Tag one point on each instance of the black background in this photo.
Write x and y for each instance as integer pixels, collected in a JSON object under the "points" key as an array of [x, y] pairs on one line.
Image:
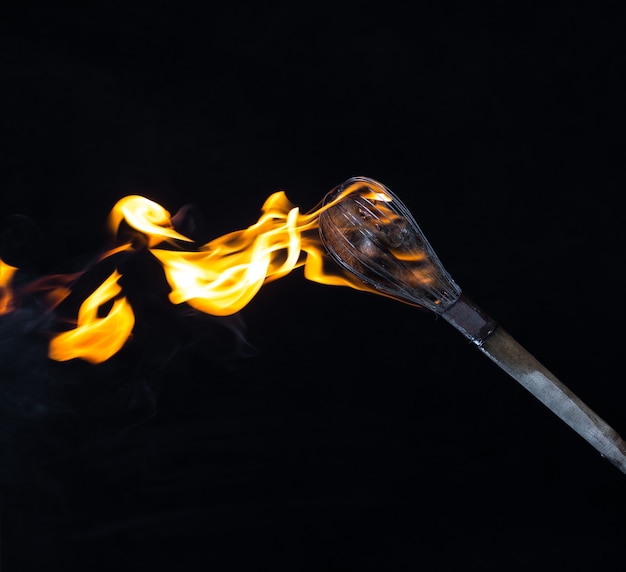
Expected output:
{"points": [[345, 431]]}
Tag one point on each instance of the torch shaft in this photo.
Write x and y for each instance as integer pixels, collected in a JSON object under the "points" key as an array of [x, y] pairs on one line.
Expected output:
{"points": [[499, 346], [507, 353], [370, 233]]}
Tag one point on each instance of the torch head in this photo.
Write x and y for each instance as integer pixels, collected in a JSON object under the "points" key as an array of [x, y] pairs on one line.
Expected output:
{"points": [[371, 234]]}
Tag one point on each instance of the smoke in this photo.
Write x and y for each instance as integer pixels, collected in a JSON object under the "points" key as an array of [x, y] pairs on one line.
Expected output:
{"points": [[65, 424], [60, 424], [52, 413], [43, 401]]}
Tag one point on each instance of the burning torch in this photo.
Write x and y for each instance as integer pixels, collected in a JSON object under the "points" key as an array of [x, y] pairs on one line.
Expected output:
{"points": [[371, 234], [363, 227]]}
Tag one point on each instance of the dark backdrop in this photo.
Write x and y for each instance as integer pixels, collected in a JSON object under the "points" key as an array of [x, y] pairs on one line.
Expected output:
{"points": [[321, 428]]}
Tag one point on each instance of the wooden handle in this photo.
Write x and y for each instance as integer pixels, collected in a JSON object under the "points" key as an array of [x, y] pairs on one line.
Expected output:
{"points": [[507, 353]]}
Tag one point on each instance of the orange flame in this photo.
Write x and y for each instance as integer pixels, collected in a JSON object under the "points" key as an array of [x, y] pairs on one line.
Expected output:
{"points": [[218, 278], [223, 275], [6, 296], [145, 216], [96, 339]]}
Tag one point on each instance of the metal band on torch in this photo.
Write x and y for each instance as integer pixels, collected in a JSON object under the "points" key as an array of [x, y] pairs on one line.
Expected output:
{"points": [[470, 320]]}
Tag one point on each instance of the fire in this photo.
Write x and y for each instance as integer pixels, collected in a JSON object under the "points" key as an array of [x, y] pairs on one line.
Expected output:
{"points": [[146, 216], [223, 275], [6, 276], [218, 278], [96, 339]]}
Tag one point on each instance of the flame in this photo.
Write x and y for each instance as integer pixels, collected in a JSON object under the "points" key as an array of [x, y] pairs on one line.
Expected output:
{"points": [[146, 216], [219, 277], [6, 296], [96, 339], [223, 275]]}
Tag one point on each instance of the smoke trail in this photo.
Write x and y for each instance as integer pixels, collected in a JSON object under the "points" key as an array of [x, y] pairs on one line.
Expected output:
{"points": [[42, 400], [65, 424]]}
